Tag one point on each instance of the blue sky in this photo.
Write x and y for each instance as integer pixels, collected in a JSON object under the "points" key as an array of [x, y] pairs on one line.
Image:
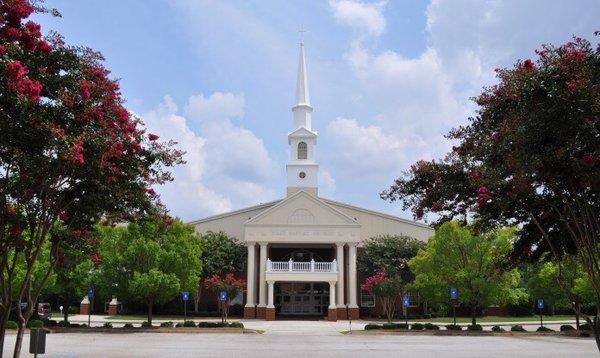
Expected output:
{"points": [[387, 81]]}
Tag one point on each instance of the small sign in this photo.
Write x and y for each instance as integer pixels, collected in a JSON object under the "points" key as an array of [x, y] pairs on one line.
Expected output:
{"points": [[223, 296], [90, 292], [453, 293], [185, 295], [540, 303], [405, 300]]}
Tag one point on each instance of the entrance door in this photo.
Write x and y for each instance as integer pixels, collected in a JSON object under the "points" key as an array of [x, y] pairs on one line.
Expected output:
{"points": [[301, 298]]}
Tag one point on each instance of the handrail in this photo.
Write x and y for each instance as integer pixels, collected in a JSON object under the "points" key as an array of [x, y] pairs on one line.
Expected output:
{"points": [[301, 266]]}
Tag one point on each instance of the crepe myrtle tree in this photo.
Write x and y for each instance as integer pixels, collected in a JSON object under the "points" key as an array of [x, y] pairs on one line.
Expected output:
{"points": [[225, 283], [220, 254], [530, 157], [389, 254], [70, 153], [387, 289]]}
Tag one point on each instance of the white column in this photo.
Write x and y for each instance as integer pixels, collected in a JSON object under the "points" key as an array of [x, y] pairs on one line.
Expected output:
{"points": [[271, 294], [332, 295], [250, 298], [340, 270], [352, 275], [262, 294]]}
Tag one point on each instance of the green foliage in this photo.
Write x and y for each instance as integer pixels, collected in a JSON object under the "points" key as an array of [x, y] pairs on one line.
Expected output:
{"points": [[498, 329], [167, 324], [35, 323], [566, 327], [107, 325], [517, 328], [371, 326], [431, 326], [394, 326], [128, 325], [474, 327], [11, 325], [147, 324], [221, 254], [453, 327], [388, 254], [417, 326], [474, 264], [236, 325], [148, 261], [213, 324], [544, 329], [189, 324]]}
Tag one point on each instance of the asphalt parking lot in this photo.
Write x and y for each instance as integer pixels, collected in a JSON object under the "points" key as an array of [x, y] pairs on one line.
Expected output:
{"points": [[289, 344]]}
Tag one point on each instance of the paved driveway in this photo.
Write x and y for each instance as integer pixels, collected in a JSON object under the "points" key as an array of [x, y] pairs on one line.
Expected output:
{"points": [[305, 345]]}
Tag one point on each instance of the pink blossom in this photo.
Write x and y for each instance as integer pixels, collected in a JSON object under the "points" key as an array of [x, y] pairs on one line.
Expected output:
{"points": [[152, 136]]}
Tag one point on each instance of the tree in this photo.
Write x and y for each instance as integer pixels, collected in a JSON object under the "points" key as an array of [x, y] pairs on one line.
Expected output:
{"points": [[389, 254], [154, 287], [531, 158], [225, 283], [149, 260], [70, 153], [474, 264], [386, 289], [220, 254]]}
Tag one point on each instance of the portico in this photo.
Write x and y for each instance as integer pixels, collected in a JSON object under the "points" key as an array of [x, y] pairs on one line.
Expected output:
{"points": [[315, 243]]}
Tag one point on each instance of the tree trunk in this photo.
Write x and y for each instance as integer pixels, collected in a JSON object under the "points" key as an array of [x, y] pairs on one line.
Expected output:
{"points": [[19, 340], [473, 314], [197, 297], [150, 312], [66, 312], [3, 320]]}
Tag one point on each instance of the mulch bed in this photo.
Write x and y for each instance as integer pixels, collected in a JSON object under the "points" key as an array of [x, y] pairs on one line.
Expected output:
{"points": [[406, 332], [152, 330]]}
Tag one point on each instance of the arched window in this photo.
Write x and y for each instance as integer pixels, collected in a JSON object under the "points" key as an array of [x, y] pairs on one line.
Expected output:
{"points": [[302, 150]]}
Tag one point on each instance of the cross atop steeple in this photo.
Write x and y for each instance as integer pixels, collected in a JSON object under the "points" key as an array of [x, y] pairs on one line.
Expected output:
{"points": [[301, 32]]}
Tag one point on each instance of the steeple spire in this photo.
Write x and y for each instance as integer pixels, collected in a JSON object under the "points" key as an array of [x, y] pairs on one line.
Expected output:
{"points": [[302, 97]]}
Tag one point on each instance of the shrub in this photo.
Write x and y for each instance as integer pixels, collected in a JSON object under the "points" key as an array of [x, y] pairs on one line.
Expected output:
{"points": [[63, 324], [11, 325], [236, 325], [78, 325], [474, 327], [544, 329], [566, 327], [147, 324], [431, 326], [178, 324], [189, 324], [394, 326], [50, 323], [518, 328], [212, 324], [167, 324], [453, 327], [107, 325], [35, 323], [367, 327], [585, 327], [128, 325], [417, 326], [498, 329]]}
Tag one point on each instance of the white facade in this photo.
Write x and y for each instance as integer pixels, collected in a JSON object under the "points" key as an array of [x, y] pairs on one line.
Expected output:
{"points": [[305, 240]]}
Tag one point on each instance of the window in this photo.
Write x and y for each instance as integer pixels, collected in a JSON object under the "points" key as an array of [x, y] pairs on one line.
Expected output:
{"points": [[302, 150], [367, 299]]}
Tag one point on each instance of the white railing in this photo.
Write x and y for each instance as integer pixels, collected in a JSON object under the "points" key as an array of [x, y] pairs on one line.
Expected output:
{"points": [[292, 266]]}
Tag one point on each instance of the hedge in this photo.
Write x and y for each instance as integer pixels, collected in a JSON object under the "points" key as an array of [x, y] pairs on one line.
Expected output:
{"points": [[35, 323], [453, 327], [498, 329], [189, 324], [417, 326], [474, 327], [431, 326], [544, 329], [566, 327], [167, 324], [11, 325], [518, 328]]}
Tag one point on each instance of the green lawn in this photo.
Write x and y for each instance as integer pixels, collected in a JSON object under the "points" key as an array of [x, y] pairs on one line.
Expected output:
{"points": [[141, 317], [488, 319]]}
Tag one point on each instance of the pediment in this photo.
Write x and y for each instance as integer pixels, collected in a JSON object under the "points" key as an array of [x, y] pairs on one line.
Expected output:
{"points": [[302, 209], [302, 132]]}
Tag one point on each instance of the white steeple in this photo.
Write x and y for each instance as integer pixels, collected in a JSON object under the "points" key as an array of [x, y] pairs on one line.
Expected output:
{"points": [[302, 170], [302, 109]]}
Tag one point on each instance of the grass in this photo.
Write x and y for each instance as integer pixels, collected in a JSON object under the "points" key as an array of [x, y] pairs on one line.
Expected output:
{"points": [[490, 319], [141, 317]]}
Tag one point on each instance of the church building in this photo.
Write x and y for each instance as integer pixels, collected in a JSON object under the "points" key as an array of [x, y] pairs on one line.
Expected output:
{"points": [[302, 249]]}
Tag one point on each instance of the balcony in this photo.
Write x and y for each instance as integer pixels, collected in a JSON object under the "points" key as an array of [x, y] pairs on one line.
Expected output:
{"points": [[301, 267]]}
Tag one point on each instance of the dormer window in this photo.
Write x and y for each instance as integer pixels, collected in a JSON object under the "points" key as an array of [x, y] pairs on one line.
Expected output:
{"points": [[302, 150]]}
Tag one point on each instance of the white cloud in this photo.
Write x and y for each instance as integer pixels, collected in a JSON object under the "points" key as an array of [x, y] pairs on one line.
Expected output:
{"points": [[227, 165], [326, 184], [365, 17]]}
